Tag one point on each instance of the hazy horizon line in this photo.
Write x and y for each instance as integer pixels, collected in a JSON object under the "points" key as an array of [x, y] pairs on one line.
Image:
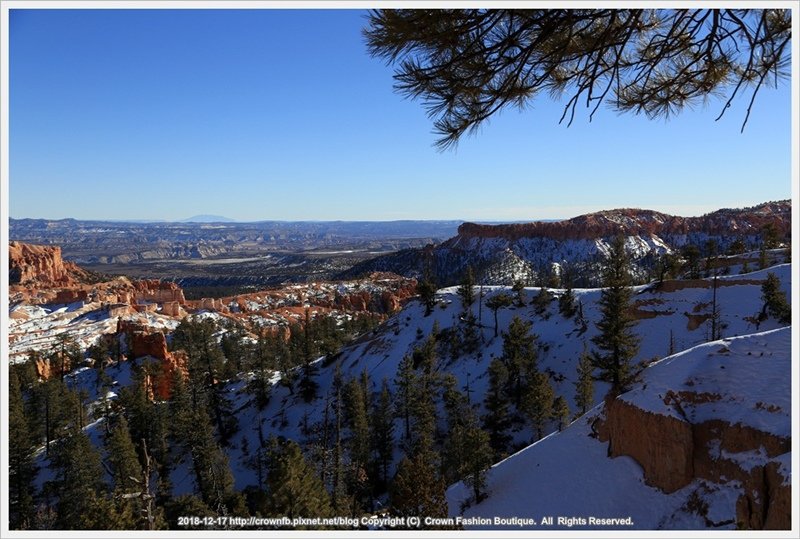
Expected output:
{"points": [[693, 211]]}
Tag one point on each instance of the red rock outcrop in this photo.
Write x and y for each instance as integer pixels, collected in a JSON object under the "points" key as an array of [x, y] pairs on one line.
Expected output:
{"points": [[56, 366], [157, 291], [40, 265], [673, 453], [640, 222], [662, 445], [172, 308], [144, 341], [71, 295], [160, 386]]}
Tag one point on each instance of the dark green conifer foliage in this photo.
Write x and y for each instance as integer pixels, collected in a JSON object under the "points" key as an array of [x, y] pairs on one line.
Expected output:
{"points": [[466, 290], [763, 259], [383, 431], [405, 380], [497, 302], [561, 412], [519, 356], [424, 357], [584, 387], [616, 344], [566, 303], [538, 401], [466, 65], [308, 384], [775, 300], [770, 237], [211, 468], [542, 301], [691, 253], [519, 290], [78, 482], [497, 420], [477, 457], [418, 489], [293, 487], [206, 366], [146, 419], [427, 295], [122, 458], [356, 420], [466, 454], [58, 407], [21, 467], [423, 412], [263, 365], [470, 338]]}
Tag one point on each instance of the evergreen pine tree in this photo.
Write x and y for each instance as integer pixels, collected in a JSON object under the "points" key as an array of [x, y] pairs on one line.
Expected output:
{"points": [[457, 412], [519, 290], [477, 458], [308, 385], [21, 467], [763, 260], [423, 411], [542, 301], [125, 467], [405, 381], [383, 431], [211, 468], [427, 294], [263, 366], [359, 447], [57, 405], [561, 412], [466, 290], [745, 268], [566, 303], [206, 365], [775, 300], [418, 489], [691, 253], [584, 387], [293, 487], [538, 401], [616, 344], [497, 420], [78, 482], [497, 302], [770, 237], [519, 356], [470, 339]]}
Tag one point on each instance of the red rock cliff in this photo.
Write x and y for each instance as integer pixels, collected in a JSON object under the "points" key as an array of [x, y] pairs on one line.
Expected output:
{"points": [[673, 453], [40, 265], [640, 222]]}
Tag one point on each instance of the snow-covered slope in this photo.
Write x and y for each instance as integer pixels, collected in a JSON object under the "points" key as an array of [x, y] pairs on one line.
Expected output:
{"points": [[673, 318], [500, 254], [569, 474], [664, 317]]}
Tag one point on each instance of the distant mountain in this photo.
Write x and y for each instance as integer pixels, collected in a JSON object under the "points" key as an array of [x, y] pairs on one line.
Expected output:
{"points": [[204, 218], [501, 254]]}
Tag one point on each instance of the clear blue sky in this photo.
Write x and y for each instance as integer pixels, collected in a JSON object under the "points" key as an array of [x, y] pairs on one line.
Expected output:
{"points": [[253, 115]]}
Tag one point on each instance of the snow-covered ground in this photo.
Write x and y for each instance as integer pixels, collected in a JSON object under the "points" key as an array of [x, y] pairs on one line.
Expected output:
{"points": [[561, 343], [669, 320], [569, 474], [38, 327]]}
